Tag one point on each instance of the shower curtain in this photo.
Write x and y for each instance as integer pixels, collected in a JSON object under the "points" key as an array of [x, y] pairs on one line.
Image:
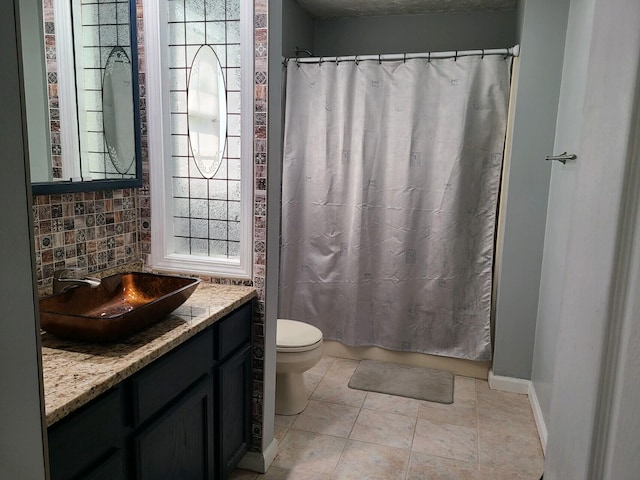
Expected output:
{"points": [[390, 185]]}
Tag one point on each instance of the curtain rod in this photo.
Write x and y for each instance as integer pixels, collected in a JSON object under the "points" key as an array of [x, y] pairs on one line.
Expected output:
{"points": [[513, 51]]}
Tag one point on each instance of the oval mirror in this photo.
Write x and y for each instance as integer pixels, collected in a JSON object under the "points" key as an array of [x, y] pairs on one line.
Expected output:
{"points": [[207, 111], [117, 104]]}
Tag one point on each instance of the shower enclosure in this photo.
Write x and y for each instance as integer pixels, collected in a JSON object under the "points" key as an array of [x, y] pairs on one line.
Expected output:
{"points": [[391, 175]]}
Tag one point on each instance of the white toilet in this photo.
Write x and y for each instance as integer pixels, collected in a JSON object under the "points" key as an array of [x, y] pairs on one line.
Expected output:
{"points": [[298, 348]]}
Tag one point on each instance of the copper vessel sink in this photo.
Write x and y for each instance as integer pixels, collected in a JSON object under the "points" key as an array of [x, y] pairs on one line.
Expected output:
{"points": [[120, 306]]}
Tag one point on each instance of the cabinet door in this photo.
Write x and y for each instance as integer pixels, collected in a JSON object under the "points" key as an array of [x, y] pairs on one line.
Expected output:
{"points": [[234, 411], [81, 442], [179, 443], [110, 469]]}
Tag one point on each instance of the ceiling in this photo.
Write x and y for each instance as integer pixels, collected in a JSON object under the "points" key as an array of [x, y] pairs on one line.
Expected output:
{"points": [[354, 8]]}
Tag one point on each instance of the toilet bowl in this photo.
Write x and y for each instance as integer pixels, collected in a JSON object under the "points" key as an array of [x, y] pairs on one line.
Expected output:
{"points": [[298, 348]]}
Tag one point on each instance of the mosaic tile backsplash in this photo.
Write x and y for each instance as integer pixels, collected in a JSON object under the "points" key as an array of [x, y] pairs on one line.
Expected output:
{"points": [[90, 231], [97, 231]]}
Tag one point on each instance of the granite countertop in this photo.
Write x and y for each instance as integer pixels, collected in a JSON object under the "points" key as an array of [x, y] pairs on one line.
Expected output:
{"points": [[75, 373]]}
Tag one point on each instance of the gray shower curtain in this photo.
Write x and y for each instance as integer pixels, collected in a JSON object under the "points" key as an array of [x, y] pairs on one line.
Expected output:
{"points": [[390, 186]]}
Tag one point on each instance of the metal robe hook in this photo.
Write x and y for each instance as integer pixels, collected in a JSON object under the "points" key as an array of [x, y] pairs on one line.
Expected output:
{"points": [[562, 158]]}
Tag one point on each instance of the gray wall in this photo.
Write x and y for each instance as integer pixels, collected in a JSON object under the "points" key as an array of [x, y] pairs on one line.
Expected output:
{"points": [[415, 33], [527, 187], [299, 28], [22, 442], [567, 138]]}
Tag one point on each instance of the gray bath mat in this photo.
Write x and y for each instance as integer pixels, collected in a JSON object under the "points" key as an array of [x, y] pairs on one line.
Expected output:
{"points": [[413, 382]]}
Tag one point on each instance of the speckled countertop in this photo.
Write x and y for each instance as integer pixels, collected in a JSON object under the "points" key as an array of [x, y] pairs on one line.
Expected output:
{"points": [[75, 373]]}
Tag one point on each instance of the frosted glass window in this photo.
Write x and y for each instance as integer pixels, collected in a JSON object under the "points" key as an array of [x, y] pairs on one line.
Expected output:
{"points": [[199, 228], [218, 209], [219, 248], [90, 14], [123, 34], [233, 99], [176, 33], [176, 56], [195, 34], [91, 36], [216, 9], [178, 78], [180, 167], [199, 208], [181, 207], [233, 147], [199, 246], [216, 33], [218, 229], [108, 36], [233, 32], [181, 227], [233, 211], [194, 10], [181, 187], [180, 147], [179, 124], [107, 12], [182, 245], [233, 11], [213, 207], [198, 188], [233, 55], [218, 190]]}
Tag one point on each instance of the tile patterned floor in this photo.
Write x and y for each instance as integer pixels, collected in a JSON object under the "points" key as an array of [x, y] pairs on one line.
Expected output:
{"points": [[346, 434]]}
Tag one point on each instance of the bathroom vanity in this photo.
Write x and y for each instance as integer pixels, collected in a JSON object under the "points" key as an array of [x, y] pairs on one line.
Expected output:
{"points": [[171, 402]]}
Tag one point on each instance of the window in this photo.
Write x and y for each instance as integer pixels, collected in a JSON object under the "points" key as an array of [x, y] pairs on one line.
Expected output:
{"points": [[201, 210]]}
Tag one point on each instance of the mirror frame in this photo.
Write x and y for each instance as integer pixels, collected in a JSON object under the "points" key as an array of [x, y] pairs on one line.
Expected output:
{"points": [[64, 186]]}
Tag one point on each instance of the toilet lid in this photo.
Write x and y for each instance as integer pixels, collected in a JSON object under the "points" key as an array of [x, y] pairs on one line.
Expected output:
{"points": [[292, 334]]}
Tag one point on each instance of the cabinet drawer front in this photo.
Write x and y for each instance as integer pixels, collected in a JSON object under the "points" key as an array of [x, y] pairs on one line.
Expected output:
{"points": [[164, 380], [86, 436], [235, 330]]}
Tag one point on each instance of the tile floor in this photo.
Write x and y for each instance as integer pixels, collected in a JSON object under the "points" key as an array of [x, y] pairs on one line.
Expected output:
{"points": [[346, 434]]}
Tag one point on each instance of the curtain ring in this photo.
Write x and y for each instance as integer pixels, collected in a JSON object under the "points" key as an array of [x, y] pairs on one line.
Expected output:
{"points": [[337, 61], [379, 59], [429, 58], [356, 60], [298, 62], [482, 57], [455, 59], [405, 58], [320, 62]]}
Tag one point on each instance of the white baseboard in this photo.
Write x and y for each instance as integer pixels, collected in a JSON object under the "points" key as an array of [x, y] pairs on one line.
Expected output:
{"points": [[260, 461], [538, 417], [519, 385], [508, 384]]}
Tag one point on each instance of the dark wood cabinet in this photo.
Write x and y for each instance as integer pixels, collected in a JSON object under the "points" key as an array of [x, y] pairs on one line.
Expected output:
{"points": [[185, 416], [234, 422], [179, 444]]}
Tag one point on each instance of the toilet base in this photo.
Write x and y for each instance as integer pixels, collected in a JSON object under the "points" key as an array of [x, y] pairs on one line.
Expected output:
{"points": [[291, 394]]}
